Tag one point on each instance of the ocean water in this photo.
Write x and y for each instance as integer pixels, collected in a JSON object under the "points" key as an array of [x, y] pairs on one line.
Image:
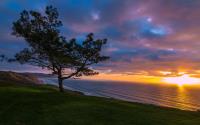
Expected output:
{"points": [[185, 98]]}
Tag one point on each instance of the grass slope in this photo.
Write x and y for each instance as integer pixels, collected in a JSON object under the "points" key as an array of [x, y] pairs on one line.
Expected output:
{"points": [[43, 105], [18, 78]]}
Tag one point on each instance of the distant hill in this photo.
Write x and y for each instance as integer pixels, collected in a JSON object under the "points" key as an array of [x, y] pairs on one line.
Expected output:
{"points": [[18, 78], [39, 74]]}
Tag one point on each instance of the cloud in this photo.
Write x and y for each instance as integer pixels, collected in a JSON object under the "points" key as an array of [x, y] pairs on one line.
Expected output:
{"points": [[143, 36]]}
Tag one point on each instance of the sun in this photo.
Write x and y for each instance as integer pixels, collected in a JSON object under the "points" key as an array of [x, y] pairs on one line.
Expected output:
{"points": [[182, 80]]}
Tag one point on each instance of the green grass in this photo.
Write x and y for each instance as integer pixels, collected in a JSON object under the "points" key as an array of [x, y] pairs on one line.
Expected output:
{"points": [[43, 105]]}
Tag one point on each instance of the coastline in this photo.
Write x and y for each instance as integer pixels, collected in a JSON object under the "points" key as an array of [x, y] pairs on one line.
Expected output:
{"points": [[158, 95], [44, 105], [77, 91]]}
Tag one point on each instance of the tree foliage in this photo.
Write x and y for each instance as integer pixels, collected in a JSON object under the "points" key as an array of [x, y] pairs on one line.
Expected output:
{"points": [[48, 49], [2, 57]]}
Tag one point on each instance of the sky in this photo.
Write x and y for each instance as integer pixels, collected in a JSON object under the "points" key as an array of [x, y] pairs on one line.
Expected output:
{"points": [[147, 39]]}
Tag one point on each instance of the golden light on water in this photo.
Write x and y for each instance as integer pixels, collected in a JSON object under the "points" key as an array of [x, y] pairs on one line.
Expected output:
{"points": [[182, 80]]}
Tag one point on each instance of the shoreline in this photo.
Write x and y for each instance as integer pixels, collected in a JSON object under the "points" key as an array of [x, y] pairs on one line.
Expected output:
{"points": [[97, 89], [69, 89]]}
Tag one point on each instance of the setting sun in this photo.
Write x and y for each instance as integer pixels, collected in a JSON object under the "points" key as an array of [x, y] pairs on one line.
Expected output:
{"points": [[181, 80]]}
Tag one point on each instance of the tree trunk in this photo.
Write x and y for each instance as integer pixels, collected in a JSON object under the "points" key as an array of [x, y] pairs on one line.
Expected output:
{"points": [[60, 80], [60, 84]]}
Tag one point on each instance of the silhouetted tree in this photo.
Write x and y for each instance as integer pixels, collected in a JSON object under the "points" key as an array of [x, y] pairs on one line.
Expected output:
{"points": [[48, 49]]}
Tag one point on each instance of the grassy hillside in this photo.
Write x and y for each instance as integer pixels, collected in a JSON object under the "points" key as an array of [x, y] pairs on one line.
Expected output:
{"points": [[44, 105], [17, 78]]}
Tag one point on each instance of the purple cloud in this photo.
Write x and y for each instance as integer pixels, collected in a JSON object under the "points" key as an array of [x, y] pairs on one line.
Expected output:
{"points": [[143, 35]]}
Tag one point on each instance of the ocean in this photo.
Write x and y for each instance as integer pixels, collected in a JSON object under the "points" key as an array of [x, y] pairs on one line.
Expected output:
{"points": [[185, 97]]}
